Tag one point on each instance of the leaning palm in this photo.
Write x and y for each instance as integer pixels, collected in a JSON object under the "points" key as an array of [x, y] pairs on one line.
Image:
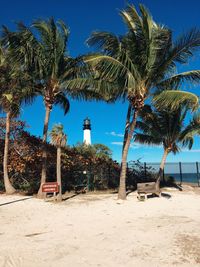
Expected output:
{"points": [[44, 55], [58, 139], [15, 89], [169, 129], [141, 61]]}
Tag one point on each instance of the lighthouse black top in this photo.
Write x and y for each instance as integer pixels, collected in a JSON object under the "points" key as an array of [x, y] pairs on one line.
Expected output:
{"points": [[86, 124]]}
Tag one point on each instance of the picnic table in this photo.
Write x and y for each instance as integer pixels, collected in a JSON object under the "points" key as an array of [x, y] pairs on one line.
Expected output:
{"points": [[144, 189]]}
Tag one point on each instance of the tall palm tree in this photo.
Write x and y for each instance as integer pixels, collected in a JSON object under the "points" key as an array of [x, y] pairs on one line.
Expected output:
{"points": [[58, 139], [143, 61], [15, 89], [42, 51], [11, 109], [169, 129]]}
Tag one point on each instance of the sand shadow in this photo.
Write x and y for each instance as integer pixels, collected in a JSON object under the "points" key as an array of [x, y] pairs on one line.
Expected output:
{"points": [[130, 191], [14, 201], [165, 195], [35, 234], [74, 195]]}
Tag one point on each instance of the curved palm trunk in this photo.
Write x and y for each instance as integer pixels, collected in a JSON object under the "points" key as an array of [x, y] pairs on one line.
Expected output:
{"points": [[44, 152], [122, 185], [162, 164], [128, 116], [8, 186], [59, 173]]}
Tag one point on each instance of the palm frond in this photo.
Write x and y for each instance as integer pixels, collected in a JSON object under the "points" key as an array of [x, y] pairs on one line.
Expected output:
{"points": [[115, 69], [105, 41], [173, 99], [111, 66], [180, 51], [167, 128], [91, 89], [185, 46], [188, 142], [131, 18], [192, 129], [63, 102], [147, 139], [147, 22], [64, 28], [193, 77]]}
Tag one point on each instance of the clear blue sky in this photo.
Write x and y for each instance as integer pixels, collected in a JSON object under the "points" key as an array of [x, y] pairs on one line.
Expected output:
{"points": [[83, 17]]}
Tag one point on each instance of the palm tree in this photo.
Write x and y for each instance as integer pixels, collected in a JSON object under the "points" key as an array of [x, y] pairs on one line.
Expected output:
{"points": [[42, 51], [169, 129], [58, 139], [15, 89], [142, 62], [9, 108]]}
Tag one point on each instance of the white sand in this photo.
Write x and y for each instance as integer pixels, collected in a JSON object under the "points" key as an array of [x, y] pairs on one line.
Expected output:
{"points": [[93, 230]]}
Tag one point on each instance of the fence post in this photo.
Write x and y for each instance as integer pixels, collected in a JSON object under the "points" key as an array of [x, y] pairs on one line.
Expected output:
{"points": [[145, 170], [197, 167], [181, 175], [88, 182]]}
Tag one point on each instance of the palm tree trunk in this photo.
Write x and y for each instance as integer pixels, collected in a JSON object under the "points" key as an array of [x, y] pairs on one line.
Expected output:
{"points": [[44, 152], [59, 173], [122, 185], [128, 116], [162, 164], [8, 186]]}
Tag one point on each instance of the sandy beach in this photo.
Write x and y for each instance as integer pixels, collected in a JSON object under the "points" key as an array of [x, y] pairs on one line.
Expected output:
{"points": [[94, 230]]}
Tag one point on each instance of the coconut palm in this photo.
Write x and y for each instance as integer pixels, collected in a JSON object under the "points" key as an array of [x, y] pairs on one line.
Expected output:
{"points": [[42, 51], [142, 62], [11, 109], [58, 139], [169, 129], [15, 89]]}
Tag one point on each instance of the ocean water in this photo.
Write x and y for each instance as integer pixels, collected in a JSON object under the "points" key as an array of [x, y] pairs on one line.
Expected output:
{"points": [[186, 177]]}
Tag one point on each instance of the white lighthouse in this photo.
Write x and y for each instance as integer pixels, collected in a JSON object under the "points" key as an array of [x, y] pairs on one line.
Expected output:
{"points": [[87, 132]]}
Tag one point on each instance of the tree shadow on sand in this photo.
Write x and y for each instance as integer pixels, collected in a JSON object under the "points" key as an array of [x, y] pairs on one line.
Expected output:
{"points": [[14, 201]]}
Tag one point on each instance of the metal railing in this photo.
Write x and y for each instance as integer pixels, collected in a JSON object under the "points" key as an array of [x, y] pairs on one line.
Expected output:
{"points": [[105, 176], [179, 172]]}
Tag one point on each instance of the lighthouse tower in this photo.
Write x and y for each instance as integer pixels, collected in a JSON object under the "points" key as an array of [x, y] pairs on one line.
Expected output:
{"points": [[87, 131]]}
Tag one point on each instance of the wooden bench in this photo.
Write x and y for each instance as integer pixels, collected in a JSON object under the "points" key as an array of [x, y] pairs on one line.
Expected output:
{"points": [[144, 189]]}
